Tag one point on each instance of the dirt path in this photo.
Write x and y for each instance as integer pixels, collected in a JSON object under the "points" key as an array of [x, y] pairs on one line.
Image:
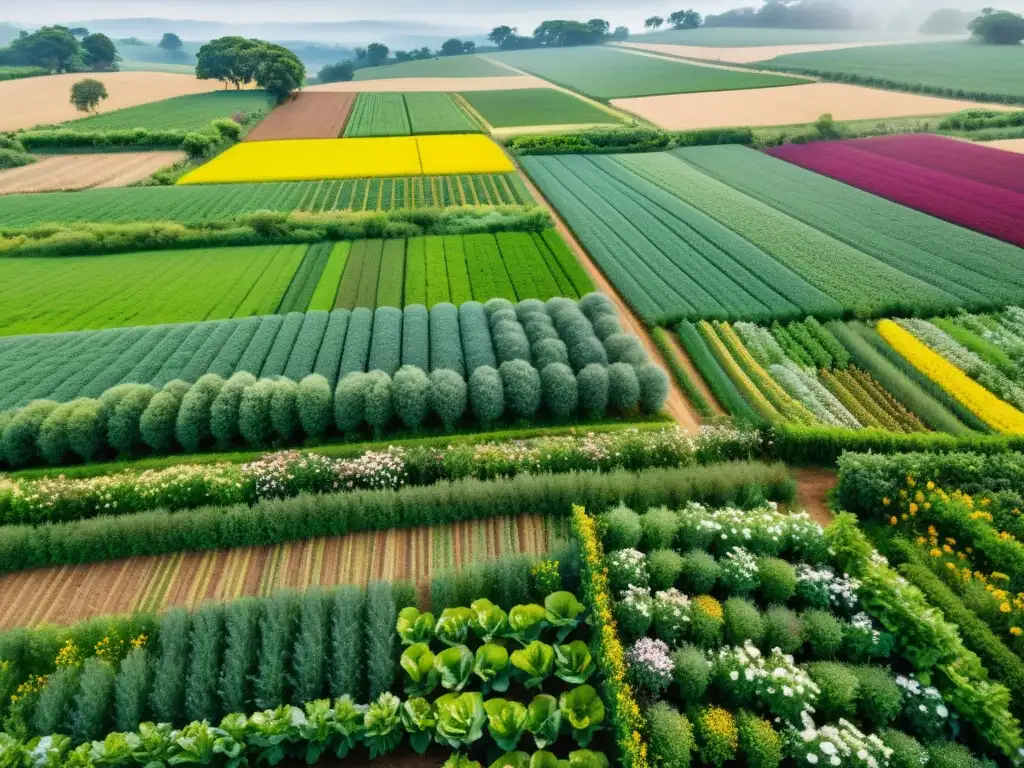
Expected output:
{"points": [[64, 173], [812, 487], [691, 370], [676, 405]]}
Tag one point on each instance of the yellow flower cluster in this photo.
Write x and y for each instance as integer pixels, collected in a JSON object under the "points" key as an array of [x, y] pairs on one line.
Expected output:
{"points": [[709, 606], [312, 159], [996, 413], [33, 685], [722, 724], [69, 655], [626, 716]]}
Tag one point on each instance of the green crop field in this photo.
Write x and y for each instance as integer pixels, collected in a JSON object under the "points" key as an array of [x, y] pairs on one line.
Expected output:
{"points": [[182, 113], [610, 73], [450, 66], [378, 114], [437, 113], [535, 106], [725, 233], [88, 292], [966, 69], [205, 203], [746, 37]]}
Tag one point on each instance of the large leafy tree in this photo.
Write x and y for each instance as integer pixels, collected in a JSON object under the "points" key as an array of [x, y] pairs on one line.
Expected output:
{"points": [[277, 70], [228, 59], [172, 44], [341, 72], [376, 54], [52, 48], [654, 22], [100, 52], [86, 94], [688, 19], [998, 27]]}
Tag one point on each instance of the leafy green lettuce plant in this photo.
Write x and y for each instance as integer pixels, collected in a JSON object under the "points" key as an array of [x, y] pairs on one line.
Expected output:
{"points": [[460, 719], [533, 663], [506, 722], [418, 662], [583, 709]]}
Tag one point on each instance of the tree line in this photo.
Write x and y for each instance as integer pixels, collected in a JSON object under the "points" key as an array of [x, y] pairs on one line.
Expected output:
{"points": [[61, 49]]}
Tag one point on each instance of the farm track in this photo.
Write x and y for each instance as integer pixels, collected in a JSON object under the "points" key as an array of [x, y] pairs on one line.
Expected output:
{"points": [[306, 116], [65, 173], [813, 485], [676, 404], [62, 595]]}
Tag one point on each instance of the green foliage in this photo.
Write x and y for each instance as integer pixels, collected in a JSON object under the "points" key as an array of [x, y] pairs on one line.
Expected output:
{"points": [[522, 386], [411, 395], [377, 407], [241, 646], [671, 736], [759, 743], [879, 698], [783, 629], [347, 630], [560, 390], [131, 690], [381, 614], [92, 705], [840, 689], [314, 405], [56, 701], [308, 679], [823, 633], [278, 626], [158, 423], [664, 566], [205, 649], [448, 396], [486, 394], [167, 697], [778, 580], [742, 622], [700, 572], [622, 528]]}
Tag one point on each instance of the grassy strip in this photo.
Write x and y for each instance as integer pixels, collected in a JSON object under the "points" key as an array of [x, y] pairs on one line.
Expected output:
{"points": [[716, 378], [327, 288], [272, 522], [697, 400]]}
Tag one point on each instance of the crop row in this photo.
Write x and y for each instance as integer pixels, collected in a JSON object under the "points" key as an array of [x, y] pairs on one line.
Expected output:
{"points": [[396, 114], [197, 204]]}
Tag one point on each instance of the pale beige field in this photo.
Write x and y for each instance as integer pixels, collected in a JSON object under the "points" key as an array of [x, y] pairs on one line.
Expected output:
{"points": [[789, 105], [34, 100], [56, 173], [743, 55], [1010, 145], [448, 84]]}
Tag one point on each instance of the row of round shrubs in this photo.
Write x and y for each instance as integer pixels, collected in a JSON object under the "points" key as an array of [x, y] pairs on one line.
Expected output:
{"points": [[130, 418]]}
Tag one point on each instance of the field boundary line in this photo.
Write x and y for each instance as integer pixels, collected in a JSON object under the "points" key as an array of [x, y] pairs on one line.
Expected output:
{"points": [[470, 110], [713, 65], [691, 370], [676, 404]]}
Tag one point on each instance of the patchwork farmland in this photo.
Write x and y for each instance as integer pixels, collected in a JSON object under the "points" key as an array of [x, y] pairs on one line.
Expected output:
{"points": [[306, 116]]}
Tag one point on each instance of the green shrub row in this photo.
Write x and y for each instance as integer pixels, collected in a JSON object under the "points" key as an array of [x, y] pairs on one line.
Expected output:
{"points": [[196, 143], [682, 378], [613, 140], [722, 387], [272, 522], [265, 228], [979, 119]]}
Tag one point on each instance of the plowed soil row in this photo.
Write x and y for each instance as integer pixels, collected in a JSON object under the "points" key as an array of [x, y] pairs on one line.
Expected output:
{"points": [[70, 593], [66, 173], [306, 116]]}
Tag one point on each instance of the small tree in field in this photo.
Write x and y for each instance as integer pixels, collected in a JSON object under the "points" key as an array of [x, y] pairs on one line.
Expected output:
{"points": [[998, 27], [654, 22], [86, 94]]}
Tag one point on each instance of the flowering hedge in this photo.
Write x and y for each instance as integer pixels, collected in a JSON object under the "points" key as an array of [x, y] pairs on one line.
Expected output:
{"points": [[289, 473]]}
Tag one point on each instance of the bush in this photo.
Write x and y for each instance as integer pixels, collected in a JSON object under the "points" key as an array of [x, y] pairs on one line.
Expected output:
{"points": [[313, 402], [778, 580], [193, 425], [621, 528], [196, 144], [706, 622], [783, 629], [448, 397], [347, 632], [386, 346], [623, 387], [254, 422], [587, 351], [823, 633], [522, 388], [742, 622], [487, 395], [410, 391], [839, 689], [907, 752], [18, 444], [225, 407], [654, 385], [53, 435], [593, 387], [717, 736], [377, 402], [229, 130], [381, 614], [131, 690], [157, 425], [241, 645], [759, 743], [510, 342], [700, 572], [416, 336], [284, 410], [624, 348], [659, 526], [445, 340], [664, 566], [83, 428], [54, 703], [606, 326], [123, 424], [670, 735], [880, 699], [560, 390], [476, 336], [91, 708], [278, 625], [951, 755], [350, 402], [308, 678], [201, 702], [691, 674], [548, 351], [167, 700]]}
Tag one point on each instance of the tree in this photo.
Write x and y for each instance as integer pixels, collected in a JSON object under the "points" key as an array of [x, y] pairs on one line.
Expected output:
{"points": [[228, 59], [997, 27], [172, 44], [376, 54], [469, 47], [277, 70], [52, 48], [86, 94], [422, 54], [688, 19], [341, 72], [945, 21], [404, 56], [100, 52], [452, 47], [620, 33], [79, 31], [500, 34], [654, 22], [564, 33]]}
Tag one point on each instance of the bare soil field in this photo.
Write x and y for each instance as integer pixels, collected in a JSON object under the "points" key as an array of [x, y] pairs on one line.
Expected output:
{"points": [[1010, 145], [65, 173], [63, 595], [35, 100], [792, 105], [447, 84], [742, 55], [306, 116]]}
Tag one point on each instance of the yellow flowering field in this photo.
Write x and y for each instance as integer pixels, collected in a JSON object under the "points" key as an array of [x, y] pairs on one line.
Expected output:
{"points": [[461, 153], [312, 159], [996, 413]]}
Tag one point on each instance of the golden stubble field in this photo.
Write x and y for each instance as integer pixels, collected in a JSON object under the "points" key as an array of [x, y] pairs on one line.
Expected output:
{"points": [[62, 173], [786, 105], [35, 100]]}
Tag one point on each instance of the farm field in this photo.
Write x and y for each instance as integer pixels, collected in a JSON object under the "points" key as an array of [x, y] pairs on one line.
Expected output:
{"points": [[451, 66], [972, 71], [91, 171], [680, 244], [784, 106], [308, 159], [505, 80], [182, 113], [81, 292], [1007, 145], [188, 579], [394, 114], [306, 116], [208, 202], [437, 113], [737, 55], [535, 106], [730, 37], [967, 184], [603, 72], [36, 100]]}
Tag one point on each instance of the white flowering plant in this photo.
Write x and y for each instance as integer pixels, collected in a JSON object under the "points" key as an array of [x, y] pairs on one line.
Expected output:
{"points": [[842, 744], [671, 615], [822, 588], [763, 531], [774, 681], [739, 571], [925, 709], [863, 641], [650, 665], [634, 611], [627, 568]]}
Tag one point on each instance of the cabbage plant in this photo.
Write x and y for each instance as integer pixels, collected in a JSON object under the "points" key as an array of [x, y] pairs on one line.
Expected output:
{"points": [[492, 667], [564, 611], [418, 662], [460, 719], [383, 725], [583, 709], [544, 720], [454, 666], [533, 663], [419, 722], [414, 627], [525, 622], [489, 621], [453, 626], [506, 722], [573, 662]]}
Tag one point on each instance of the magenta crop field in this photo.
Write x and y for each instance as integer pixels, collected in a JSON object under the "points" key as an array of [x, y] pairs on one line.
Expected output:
{"points": [[995, 167], [983, 207]]}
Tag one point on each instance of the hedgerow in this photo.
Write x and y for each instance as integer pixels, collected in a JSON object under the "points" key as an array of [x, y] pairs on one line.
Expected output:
{"points": [[386, 345], [329, 358], [445, 342], [284, 342], [357, 343], [416, 337], [486, 394], [307, 345], [476, 337]]}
